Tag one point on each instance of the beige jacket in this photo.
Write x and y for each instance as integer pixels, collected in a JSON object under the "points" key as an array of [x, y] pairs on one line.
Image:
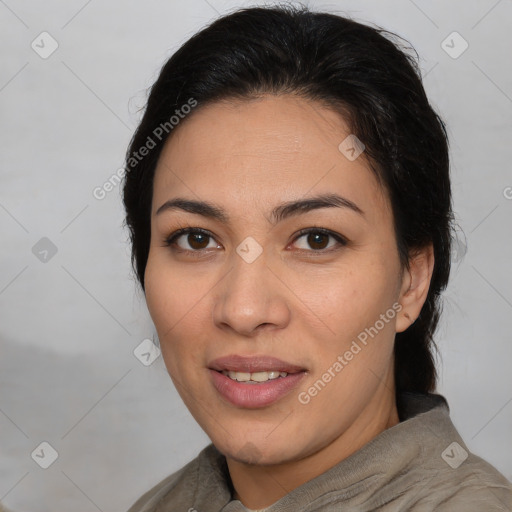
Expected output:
{"points": [[419, 465]]}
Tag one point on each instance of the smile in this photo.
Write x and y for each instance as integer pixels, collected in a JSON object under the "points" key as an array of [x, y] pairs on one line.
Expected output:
{"points": [[252, 382], [255, 377]]}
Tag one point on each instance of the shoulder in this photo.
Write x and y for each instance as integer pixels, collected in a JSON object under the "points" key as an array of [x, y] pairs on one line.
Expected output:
{"points": [[440, 473], [475, 485], [182, 484], [452, 478]]}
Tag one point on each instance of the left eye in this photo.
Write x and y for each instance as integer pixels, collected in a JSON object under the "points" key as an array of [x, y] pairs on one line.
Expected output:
{"points": [[319, 240]]}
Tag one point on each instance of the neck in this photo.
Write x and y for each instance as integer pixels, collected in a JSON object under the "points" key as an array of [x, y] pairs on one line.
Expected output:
{"points": [[259, 486]]}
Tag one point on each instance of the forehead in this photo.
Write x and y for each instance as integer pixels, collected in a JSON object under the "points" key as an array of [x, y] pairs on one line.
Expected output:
{"points": [[266, 127], [276, 147]]}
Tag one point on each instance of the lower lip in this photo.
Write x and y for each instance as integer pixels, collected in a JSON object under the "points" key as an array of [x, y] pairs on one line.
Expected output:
{"points": [[254, 396]]}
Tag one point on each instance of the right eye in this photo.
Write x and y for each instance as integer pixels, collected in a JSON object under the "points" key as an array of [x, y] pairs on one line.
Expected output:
{"points": [[191, 240]]}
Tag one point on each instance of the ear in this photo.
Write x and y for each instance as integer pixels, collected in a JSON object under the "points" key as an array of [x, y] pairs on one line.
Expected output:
{"points": [[415, 286]]}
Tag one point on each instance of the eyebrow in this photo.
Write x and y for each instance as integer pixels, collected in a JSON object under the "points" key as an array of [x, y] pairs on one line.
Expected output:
{"points": [[278, 214]]}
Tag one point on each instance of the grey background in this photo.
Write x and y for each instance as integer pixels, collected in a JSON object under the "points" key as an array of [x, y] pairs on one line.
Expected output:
{"points": [[69, 326]]}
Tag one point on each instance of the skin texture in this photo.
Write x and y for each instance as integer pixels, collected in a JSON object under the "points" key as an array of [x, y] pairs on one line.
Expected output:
{"points": [[296, 302]]}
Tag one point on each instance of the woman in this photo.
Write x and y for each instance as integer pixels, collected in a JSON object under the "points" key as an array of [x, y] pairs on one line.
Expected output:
{"points": [[288, 199]]}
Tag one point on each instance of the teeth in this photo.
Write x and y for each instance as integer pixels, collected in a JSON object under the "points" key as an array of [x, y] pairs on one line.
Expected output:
{"points": [[254, 377], [239, 376], [264, 376]]}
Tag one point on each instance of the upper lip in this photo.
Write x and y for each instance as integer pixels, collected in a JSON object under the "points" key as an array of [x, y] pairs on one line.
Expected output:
{"points": [[252, 364]]}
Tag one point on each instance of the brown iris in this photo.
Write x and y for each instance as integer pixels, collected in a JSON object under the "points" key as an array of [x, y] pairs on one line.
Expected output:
{"points": [[198, 240], [318, 240]]}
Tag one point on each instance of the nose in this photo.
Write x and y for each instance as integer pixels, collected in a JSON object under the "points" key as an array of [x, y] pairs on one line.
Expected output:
{"points": [[251, 299]]}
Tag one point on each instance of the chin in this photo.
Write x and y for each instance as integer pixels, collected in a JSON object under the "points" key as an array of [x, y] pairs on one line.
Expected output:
{"points": [[257, 453]]}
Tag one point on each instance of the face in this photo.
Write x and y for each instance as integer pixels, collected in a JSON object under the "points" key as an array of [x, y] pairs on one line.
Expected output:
{"points": [[276, 306]]}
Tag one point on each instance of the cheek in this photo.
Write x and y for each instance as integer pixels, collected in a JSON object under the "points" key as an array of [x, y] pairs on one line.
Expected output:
{"points": [[353, 357], [170, 293], [177, 308], [354, 296]]}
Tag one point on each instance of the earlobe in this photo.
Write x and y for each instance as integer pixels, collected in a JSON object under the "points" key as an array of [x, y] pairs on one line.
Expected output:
{"points": [[415, 286]]}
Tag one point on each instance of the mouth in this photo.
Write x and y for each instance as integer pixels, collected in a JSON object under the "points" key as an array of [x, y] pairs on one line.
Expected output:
{"points": [[254, 382], [253, 365]]}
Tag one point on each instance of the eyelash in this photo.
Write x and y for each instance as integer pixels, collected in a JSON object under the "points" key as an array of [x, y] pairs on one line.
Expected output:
{"points": [[169, 241]]}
